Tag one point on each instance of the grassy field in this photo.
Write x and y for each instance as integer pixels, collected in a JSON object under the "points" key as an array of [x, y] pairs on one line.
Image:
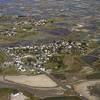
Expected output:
{"points": [[5, 93], [3, 57], [95, 75]]}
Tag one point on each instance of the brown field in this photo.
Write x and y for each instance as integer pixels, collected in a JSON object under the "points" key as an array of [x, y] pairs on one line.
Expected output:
{"points": [[35, 81]]}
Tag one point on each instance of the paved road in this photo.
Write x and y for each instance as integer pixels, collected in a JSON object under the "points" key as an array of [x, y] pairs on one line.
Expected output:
{"points": [[82, 89]]}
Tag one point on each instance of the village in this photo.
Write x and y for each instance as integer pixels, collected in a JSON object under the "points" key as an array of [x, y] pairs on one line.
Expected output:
{"points": [[33, 58], [20, 25], [49, 50]]}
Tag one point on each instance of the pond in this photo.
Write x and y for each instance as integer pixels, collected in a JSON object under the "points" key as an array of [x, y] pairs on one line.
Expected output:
{"points": [[57, 31], [90, 59]]}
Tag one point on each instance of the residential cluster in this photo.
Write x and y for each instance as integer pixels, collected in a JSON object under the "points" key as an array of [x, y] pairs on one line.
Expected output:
{"points": [[33, 58], [20, 25]]}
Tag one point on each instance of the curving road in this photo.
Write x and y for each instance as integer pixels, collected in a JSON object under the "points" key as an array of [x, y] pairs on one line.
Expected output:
{"points": [[81, 88], [35, 91]]}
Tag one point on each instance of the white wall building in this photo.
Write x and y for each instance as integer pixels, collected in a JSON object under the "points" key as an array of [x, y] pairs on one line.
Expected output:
{"points": [[18, 96]]}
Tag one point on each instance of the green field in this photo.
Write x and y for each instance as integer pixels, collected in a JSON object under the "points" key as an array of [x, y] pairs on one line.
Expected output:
{"points": [[95, 75], [5, 93]]}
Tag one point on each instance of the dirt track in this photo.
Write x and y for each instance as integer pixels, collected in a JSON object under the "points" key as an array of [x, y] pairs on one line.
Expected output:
{"points": [[35, 81], [82, 89], [42, 92]]}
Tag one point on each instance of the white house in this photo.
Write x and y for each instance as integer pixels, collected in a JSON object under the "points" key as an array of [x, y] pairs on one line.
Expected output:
{"points": [[18, 96]]}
